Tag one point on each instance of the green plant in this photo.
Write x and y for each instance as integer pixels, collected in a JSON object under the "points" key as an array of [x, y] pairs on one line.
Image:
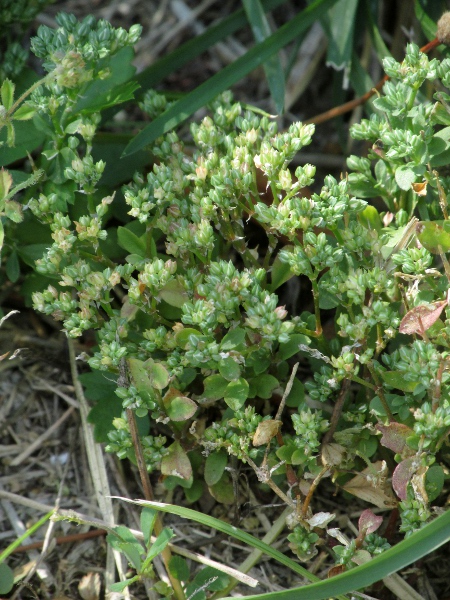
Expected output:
{"points": [[184, 301], [7, 578]]}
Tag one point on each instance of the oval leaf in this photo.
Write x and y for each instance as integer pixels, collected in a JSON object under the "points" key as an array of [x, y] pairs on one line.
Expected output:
{"points": [[176, 462], [158, 374], [265, 431], [402, 476], [369, 522], [180, 408], [422, 317], [396, 379], [174, 293], [215, 466], [434, 235], [394, 436], [236, 393]]}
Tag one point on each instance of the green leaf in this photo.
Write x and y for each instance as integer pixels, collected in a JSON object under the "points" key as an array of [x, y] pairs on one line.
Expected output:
{"points": [[263, 385], [109, 147], [180, 408], [281, 271], [215, 387], [236, 393], [182, 336], [215, 466], [434, 235], [113, 90], [174, 293], [141, 378], [272, 66], [406, 175], [123, 540], [158, 545], [28, 138], [370, 218], [232, 73], [2, 235], [121, 585], [176, 462], [24, 113], [13, 267], [339, 24], [396, 379], [434, 482], [29, 254], [259, 360], [426, 22], [6, 579], [6, 182], [148, 518], [159, 375], [7, 93], [296, 395], [223, 490], [233, 339], [229, 368], [215, 580], [195, 492], [130, 242], [290, 348], [20, 540], [178, 568]]}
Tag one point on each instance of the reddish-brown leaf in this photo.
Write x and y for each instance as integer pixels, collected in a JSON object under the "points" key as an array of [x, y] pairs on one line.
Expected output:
{"points": [[394, 436], [422, 317], [402, 476]]}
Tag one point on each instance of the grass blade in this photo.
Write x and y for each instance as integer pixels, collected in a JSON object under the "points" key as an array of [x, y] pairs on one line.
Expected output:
{"points": [[209, 90], [154, 74], [419, 544], [243, 536], [272, 67], [339, 25]]}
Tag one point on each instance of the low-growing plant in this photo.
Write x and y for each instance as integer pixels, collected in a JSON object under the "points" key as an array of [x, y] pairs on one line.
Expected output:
{"points": [[182, 293]]}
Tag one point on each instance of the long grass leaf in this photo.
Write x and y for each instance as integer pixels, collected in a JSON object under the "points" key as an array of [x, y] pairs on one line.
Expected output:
{"points": [[243, 536], [419, 544], [272, 67], [154, 74], [204, 93]]}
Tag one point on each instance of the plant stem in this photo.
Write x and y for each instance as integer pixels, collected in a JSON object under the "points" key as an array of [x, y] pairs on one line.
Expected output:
{"points": [[337, 410], [166, 554], [379, 391]]}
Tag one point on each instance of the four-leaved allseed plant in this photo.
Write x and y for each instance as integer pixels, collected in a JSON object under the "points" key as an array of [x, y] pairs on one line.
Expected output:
{"points": [[183, 297]]}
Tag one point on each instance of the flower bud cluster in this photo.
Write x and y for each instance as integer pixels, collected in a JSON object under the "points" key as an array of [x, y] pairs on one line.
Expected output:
{"points": [[235, 435], [414, 515], [418, 362], [88, 41], [302, 542], [413, 260], [432, 425], [375, 544], [308, 427], [154, 275], [120, 442]]}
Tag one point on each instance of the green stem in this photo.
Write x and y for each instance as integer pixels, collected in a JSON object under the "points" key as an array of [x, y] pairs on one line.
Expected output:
{"points": [[30, 90], [18, 542], [315, 291], [379, 391], [357, 379]]}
